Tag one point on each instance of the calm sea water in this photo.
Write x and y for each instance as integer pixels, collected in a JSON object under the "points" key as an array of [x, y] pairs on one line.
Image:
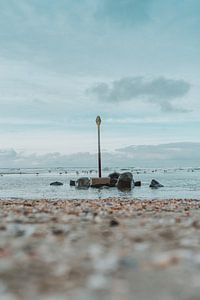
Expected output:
{"points": [[35, 183]]}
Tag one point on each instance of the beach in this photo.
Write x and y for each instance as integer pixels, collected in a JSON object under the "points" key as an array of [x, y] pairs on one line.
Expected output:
{"points": [[99, 150], [99, 249]]}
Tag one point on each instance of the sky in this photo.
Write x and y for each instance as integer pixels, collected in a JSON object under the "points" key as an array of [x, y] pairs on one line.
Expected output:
{"points": [[133, 62]]}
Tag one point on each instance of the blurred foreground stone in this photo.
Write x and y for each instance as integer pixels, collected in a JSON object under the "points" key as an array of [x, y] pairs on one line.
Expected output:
{"points": [[99, 249]]}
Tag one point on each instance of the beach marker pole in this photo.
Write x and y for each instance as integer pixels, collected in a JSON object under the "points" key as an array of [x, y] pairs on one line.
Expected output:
{"points": [[98, 122]]}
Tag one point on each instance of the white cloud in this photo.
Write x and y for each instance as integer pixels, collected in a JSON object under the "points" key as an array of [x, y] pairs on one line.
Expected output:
{"points": [[164, 155], [159, 91]]}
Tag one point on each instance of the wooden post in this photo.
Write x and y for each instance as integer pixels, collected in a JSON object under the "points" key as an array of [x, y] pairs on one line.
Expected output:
{"points": [[98, 122]]}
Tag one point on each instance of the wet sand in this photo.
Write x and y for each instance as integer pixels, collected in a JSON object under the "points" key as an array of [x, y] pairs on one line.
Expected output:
{"points": [[100, 249]]}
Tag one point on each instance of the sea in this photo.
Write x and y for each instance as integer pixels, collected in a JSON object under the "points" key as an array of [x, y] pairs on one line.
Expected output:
{"points": [[34, 183]]}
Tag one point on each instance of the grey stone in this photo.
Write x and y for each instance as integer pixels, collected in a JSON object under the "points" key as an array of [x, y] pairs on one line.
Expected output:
{"points": [[155, 184], [137, 183], [72, 183], [125, 181], [114, 175], [56, 183], [83, 182], [113, 178]]}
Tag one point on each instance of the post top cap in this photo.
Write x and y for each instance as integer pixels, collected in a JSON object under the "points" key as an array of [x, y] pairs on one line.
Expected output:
{"points": [[98, 120]]}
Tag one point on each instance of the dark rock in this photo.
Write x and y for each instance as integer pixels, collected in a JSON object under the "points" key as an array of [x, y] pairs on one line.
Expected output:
{"points": [[3, 227], [137, 183], [113, 182], [72, 183], [20, 233], [83, 182], [18, 221], [57, 231], [167, 234], [114, 222], [56, 183], [114, 175], [86, 211], [113, 178], [155, 184], [125, 181]]}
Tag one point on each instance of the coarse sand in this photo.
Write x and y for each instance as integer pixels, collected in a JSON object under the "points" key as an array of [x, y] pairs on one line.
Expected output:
{"points": [[100, 249]]}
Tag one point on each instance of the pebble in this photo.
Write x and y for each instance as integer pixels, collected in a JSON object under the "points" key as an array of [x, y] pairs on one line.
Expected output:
{"points": [[196, 224], [98, 282], [66, 248], [114, 223], [164, 261]]}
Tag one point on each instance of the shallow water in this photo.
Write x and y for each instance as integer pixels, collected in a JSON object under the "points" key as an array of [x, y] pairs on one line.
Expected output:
{"points": [[26, 183]]}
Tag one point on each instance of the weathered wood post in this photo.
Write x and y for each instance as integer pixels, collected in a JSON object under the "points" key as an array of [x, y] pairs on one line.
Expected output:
{"points": [[98, 122]]}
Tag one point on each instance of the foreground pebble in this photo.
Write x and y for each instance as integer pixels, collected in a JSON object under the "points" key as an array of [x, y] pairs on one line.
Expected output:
{"points": [[100, 249]]}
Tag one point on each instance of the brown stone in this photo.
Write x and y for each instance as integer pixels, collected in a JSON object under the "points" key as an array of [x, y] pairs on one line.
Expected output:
{"points": [[99, 182]]}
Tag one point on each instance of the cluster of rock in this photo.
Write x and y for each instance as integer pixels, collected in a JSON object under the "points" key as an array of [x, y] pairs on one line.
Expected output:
{"points": [[123, 181]]}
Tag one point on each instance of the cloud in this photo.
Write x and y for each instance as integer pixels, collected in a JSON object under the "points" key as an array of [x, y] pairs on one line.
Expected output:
{"points": [[6, 154], [162, 155], [9, 158], [160, 91], [170, 154]]}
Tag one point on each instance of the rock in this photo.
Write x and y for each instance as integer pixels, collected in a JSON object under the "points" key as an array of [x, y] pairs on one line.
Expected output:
{"points": [[2, 227], [57, 231], [72, 183], [83, 182], [113, 178], [56, 183], [125, 181], [196, 224], [113, 223], [155, 184], [97, 182], [137, 183], [114, 175], [113, 182], [163, 261]]}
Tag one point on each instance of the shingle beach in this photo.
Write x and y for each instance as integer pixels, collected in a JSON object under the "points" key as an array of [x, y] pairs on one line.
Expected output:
{"points": [[100, 249]]}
